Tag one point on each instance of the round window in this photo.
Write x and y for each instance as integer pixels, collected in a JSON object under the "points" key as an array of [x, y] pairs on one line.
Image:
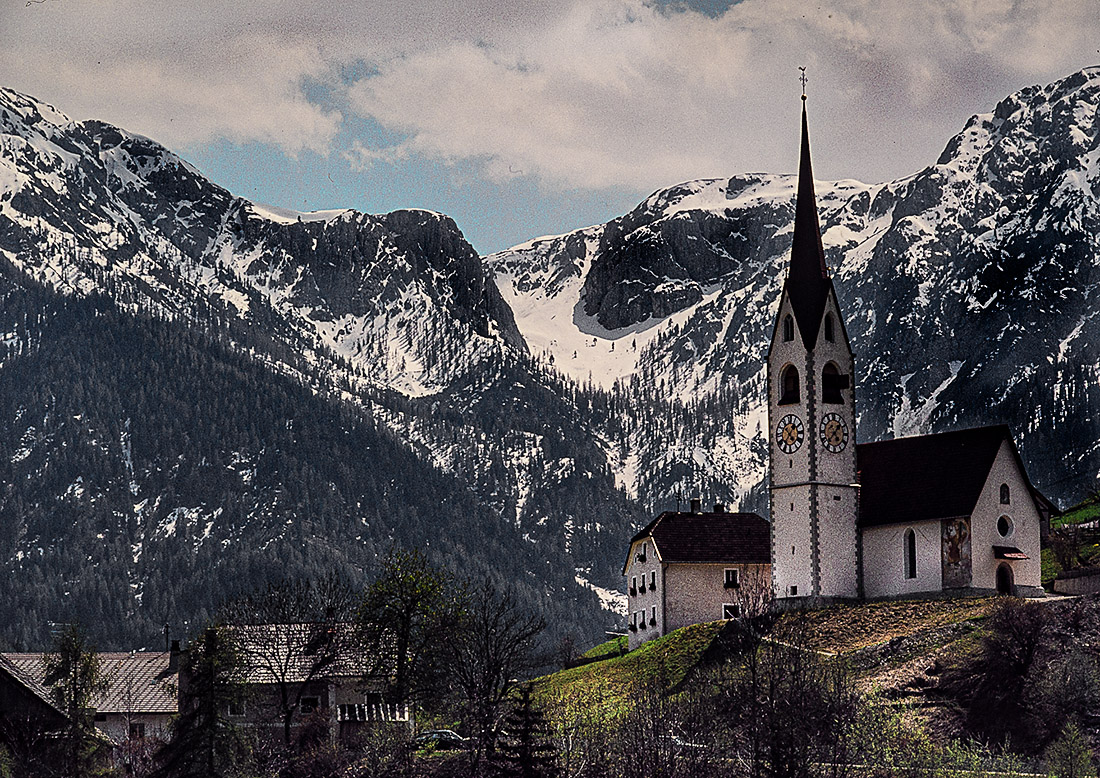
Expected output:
{"points": [[1004, 526]]}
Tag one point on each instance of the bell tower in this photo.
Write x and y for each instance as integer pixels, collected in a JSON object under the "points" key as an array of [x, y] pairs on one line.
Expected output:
{"points": [[811, 419]]}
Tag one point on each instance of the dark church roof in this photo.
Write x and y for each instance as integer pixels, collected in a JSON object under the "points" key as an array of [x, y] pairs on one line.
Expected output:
{"points": [[742, 538], [808, 282], [927, 476]]}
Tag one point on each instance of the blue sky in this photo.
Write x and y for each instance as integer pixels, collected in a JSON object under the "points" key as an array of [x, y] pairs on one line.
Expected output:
{"points": [[523, 119]]}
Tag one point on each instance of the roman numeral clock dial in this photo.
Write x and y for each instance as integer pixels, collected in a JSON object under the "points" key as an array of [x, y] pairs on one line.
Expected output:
{"points": [[834, 432], [790, 433]]}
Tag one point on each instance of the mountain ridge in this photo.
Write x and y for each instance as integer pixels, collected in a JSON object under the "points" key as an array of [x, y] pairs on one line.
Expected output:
{"points": [[558, 391], [963, 246]]}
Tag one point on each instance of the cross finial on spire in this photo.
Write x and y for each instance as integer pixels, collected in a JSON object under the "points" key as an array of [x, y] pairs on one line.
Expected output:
{"points": [[802, 78]]}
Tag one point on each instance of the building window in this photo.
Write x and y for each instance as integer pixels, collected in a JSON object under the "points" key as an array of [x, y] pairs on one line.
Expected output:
{"points": [[137, 730], [831, 384], [829, 335], [653, 580], [794, 591], [236, 708], [733, 579], [634, 621], [653, 616], [1005, 496], [633, 585], [788, 385], [731, 610], [1004, 526], [910, 554], [309, 705], [788, 328], [375, 709]]}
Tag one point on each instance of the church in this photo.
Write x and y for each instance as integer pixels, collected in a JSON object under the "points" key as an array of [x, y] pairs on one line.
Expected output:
{"points": [[950, 513]]}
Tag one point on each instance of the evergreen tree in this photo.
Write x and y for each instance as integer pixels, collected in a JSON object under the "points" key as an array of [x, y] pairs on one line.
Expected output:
{"points": [[1070, 756], [204, 742], [526, 750], [75, 677]]}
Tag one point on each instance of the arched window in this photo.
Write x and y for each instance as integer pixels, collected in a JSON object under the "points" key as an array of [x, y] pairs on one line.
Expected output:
{"points": [[1005, 497], [829, 335], [910, 554], [788, 385], [788, 328], [831, 384]]}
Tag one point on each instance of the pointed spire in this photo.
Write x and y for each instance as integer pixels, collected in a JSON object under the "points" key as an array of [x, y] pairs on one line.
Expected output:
{"points": [[807, 277]]}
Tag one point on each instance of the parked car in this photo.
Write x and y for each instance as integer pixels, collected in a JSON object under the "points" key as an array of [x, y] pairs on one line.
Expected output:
{"points": [[440, 739]]}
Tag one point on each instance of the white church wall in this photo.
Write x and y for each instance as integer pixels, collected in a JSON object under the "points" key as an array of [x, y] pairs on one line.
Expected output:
{"points": [[884, 559], [835, 467], [791, 541], [790, 527], [792, 467], [1025, 525], [837, 542]]}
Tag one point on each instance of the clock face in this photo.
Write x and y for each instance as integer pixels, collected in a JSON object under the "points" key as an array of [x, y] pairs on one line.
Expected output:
{"points": [[789, 433], [834, 432]]}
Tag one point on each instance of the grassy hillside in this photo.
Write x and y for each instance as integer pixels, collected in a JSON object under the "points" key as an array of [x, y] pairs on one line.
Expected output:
{"points": [[1087, 510], [853, 631], [605, 686], [969, 686]]}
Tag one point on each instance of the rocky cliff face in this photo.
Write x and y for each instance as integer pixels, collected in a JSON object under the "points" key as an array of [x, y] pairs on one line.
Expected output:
{"points": [[969, 289]]}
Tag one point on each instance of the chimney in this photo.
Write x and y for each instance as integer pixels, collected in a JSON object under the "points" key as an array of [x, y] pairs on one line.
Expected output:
{"points": [[174, 657], [719, 507], [696, 504]]}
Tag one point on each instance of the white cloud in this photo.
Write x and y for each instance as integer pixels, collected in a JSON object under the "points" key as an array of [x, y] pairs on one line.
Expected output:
{"points": [[615, 92], [579, 93]]}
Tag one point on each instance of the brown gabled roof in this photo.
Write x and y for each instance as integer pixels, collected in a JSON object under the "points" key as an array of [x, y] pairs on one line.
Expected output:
{"points": [[139, 682], [737, 538], [293, 653], [928, 476], [31, 681]]}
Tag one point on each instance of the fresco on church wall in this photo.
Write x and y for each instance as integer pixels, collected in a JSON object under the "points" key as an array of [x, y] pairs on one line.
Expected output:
{"points": [[956, 553]]}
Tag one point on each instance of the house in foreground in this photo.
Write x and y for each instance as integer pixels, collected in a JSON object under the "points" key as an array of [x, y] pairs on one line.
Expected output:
{"points": [[311, 673], [291, 676], [686, 568], [139, 702]]}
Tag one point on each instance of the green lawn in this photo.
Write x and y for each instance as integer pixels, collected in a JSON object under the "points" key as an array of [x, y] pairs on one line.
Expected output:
{"points": [[1089, 510], [605, 686], [610, 648]]}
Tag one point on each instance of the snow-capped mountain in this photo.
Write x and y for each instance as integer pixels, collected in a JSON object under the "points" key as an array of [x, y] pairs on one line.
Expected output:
{"points": [[200, 392], [390, 323], [970, 291], [89, 206]]}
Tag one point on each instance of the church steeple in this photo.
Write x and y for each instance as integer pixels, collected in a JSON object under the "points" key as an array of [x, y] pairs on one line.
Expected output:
{"points": [[807, 278], [812, 421]]}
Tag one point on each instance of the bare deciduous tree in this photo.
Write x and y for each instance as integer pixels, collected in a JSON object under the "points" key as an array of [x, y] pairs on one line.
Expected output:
{"points": [[493, 647], [74, 674], [290, 635]]}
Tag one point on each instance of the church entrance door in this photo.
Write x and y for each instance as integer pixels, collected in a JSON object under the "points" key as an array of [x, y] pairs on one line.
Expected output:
{"points": [[1005, 583]]}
